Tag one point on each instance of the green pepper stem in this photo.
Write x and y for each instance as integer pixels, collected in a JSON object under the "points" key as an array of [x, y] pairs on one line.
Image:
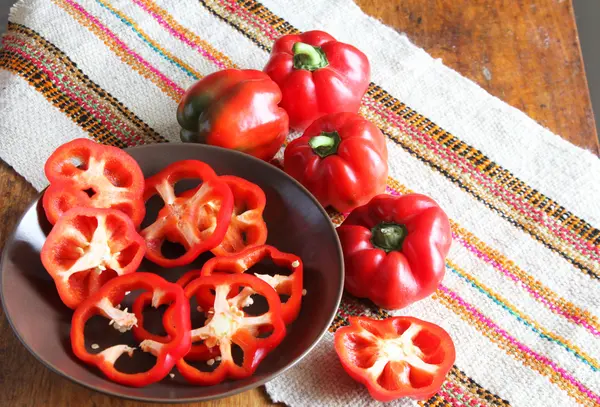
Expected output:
{"points": [[308, 57], [325, 144], [388, 236]]}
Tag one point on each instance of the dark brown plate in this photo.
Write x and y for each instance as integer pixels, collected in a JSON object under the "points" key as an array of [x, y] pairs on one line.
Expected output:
{"points": [[296, 222]]}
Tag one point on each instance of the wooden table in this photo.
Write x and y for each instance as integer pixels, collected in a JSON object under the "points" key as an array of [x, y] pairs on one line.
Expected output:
{"points": [[526, 53]]}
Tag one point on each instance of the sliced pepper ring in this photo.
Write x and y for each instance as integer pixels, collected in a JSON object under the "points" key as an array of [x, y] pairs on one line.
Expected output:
{"points": [[396, 357], [103, 303], [229, 325], [247, 227], [87, 247], [284, 285], [81, 167], [145, 299], [196, 353], [59, 197], [182, 220]]}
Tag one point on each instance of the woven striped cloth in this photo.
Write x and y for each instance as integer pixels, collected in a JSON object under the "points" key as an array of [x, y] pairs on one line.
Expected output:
{"points": [[521, 295]]}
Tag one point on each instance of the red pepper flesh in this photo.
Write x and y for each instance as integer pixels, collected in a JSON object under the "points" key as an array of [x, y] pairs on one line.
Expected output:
{"points": [[103, 303], [317, 75], [88, 247], [196, 353], [290, 286], [395, 249], [83, 173], [228, 324], [247, 227], [183, 219], [396, 357]]}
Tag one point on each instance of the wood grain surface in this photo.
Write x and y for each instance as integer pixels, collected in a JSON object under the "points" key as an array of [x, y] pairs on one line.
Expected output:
{"points": [[526, 53]]}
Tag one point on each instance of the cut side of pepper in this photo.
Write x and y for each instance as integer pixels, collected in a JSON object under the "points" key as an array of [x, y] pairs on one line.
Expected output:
{"points": [[247, 227], [228, 326], [285, 285], [83, 173], [185, 219], [87, 247], [144, 300], [103, 303], [396, 357]]}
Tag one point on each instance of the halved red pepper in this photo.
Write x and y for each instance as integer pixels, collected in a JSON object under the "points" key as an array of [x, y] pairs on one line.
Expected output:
{"points": [[284, 285], [395, 249], [184, 218], [87, 247], [104, 303], [396, 357], [228, 324], [83, 173], [247, 227]]}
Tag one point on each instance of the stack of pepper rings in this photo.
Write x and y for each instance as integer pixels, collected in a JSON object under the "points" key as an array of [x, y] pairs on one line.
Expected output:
{"points": [[96, 201]]}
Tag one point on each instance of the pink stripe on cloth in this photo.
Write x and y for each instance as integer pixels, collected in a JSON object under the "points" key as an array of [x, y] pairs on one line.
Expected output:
{"points": [[66, 90], [522, 347], [483, 256], [267, 29], [181, 37], [114, 37], [574, 318], [520, 206], [464, 398]]}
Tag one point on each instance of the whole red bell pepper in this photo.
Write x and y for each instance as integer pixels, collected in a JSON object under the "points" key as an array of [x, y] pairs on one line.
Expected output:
{"points": [[235, 109], [395, 249], [317, 75], [341, 159], [396, 357], [247, 227], [86, 248], [83, 173], [187, 219], [104, 303], [229, 325], [285, 285]]}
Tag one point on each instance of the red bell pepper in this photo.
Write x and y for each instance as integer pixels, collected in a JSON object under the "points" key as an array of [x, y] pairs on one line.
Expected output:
{"points": [[103, 303], [247, 227], [83, 173], [395, 249], [317, 75], [396, 357], [228, 324], [290, 285], [341, 159], [183, 219], [235, 109], [86, 248]]}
